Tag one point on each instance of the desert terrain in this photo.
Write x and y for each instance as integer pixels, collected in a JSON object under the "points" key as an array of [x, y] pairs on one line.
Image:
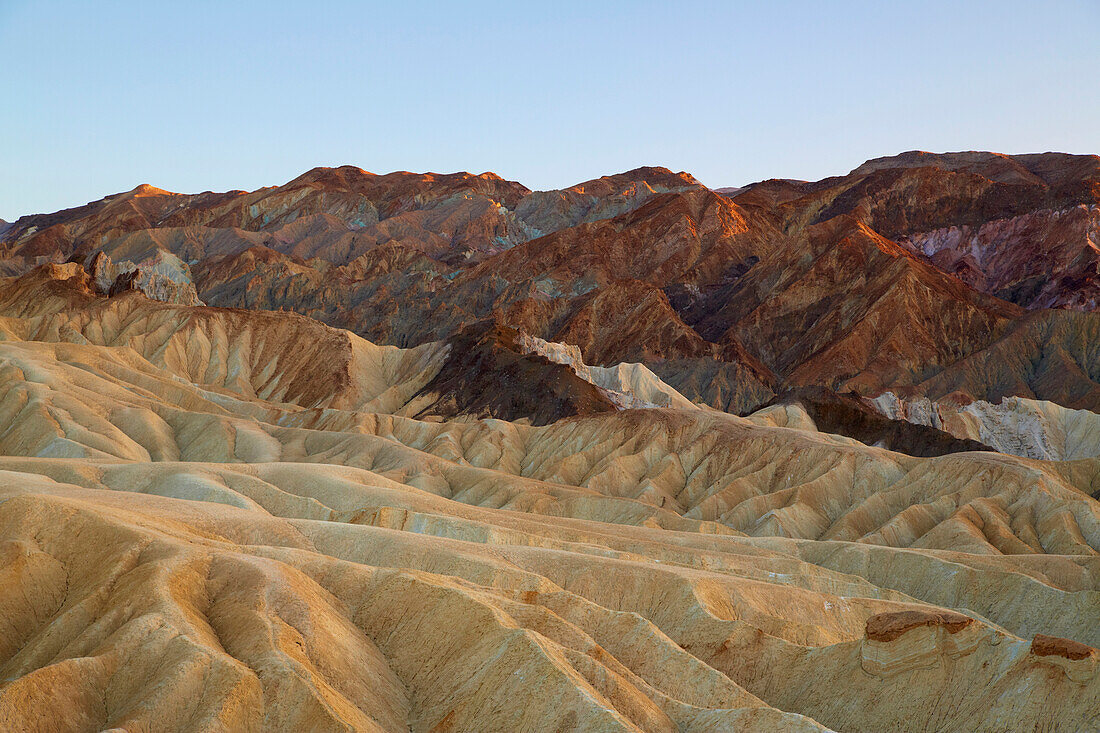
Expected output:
{"points": [[440, 453]]}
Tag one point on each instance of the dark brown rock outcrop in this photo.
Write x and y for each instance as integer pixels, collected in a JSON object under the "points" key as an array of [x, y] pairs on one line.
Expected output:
{"points": [[889, 626], [1046, 646], [488, 374], [847, 414]]}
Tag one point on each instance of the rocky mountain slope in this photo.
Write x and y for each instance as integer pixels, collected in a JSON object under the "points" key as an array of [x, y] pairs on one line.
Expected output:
{"points": [[1021, 227], [884, 278]]}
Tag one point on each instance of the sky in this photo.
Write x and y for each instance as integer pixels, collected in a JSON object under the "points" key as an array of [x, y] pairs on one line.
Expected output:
{"points": [[98, 97]]}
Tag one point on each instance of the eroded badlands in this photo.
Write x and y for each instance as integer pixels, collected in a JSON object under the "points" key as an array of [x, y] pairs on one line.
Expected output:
{"points": [[216, 519]]}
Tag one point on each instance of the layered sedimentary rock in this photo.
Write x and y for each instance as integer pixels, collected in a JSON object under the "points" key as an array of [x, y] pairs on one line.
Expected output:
{"points": [[815, 408], [628, 385], [1022, 227], [1018, 426], [404, 482], [160, 275], [489, 373], [454, 515], [214, 519], [1042, 259]]}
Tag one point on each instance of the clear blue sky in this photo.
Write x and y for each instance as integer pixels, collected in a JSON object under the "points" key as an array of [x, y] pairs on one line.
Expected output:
{"points": [[96, 97]]}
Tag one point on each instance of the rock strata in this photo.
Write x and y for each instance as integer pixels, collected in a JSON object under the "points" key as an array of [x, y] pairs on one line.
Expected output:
{"points": [[210, 530], [889, 626], [448, 454]]}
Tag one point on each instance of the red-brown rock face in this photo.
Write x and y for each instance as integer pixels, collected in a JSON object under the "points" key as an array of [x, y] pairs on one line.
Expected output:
{"points": [[911, 273], [1048, 646], [1020, 227], [890, 626], [1042, 259]]}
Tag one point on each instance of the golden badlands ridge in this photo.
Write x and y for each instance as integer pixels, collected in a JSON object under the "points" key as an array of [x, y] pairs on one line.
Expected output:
{"points": [[214, 519]]}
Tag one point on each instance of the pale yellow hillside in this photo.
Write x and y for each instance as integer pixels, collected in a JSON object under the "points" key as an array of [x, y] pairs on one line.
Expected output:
{"points": [[224, 521]]}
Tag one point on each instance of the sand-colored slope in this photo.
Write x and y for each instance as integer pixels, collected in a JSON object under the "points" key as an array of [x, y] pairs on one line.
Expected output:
{"points": [[250, 622], [253, 354], [293, 596], [682, 469], [186, 550]]}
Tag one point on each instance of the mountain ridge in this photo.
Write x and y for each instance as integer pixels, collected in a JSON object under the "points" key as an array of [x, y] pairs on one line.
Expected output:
{"points": [[644, 266]]}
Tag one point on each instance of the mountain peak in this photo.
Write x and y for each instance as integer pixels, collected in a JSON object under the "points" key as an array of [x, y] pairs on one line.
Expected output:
{"points": [[653, 176], [144, 189]]}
